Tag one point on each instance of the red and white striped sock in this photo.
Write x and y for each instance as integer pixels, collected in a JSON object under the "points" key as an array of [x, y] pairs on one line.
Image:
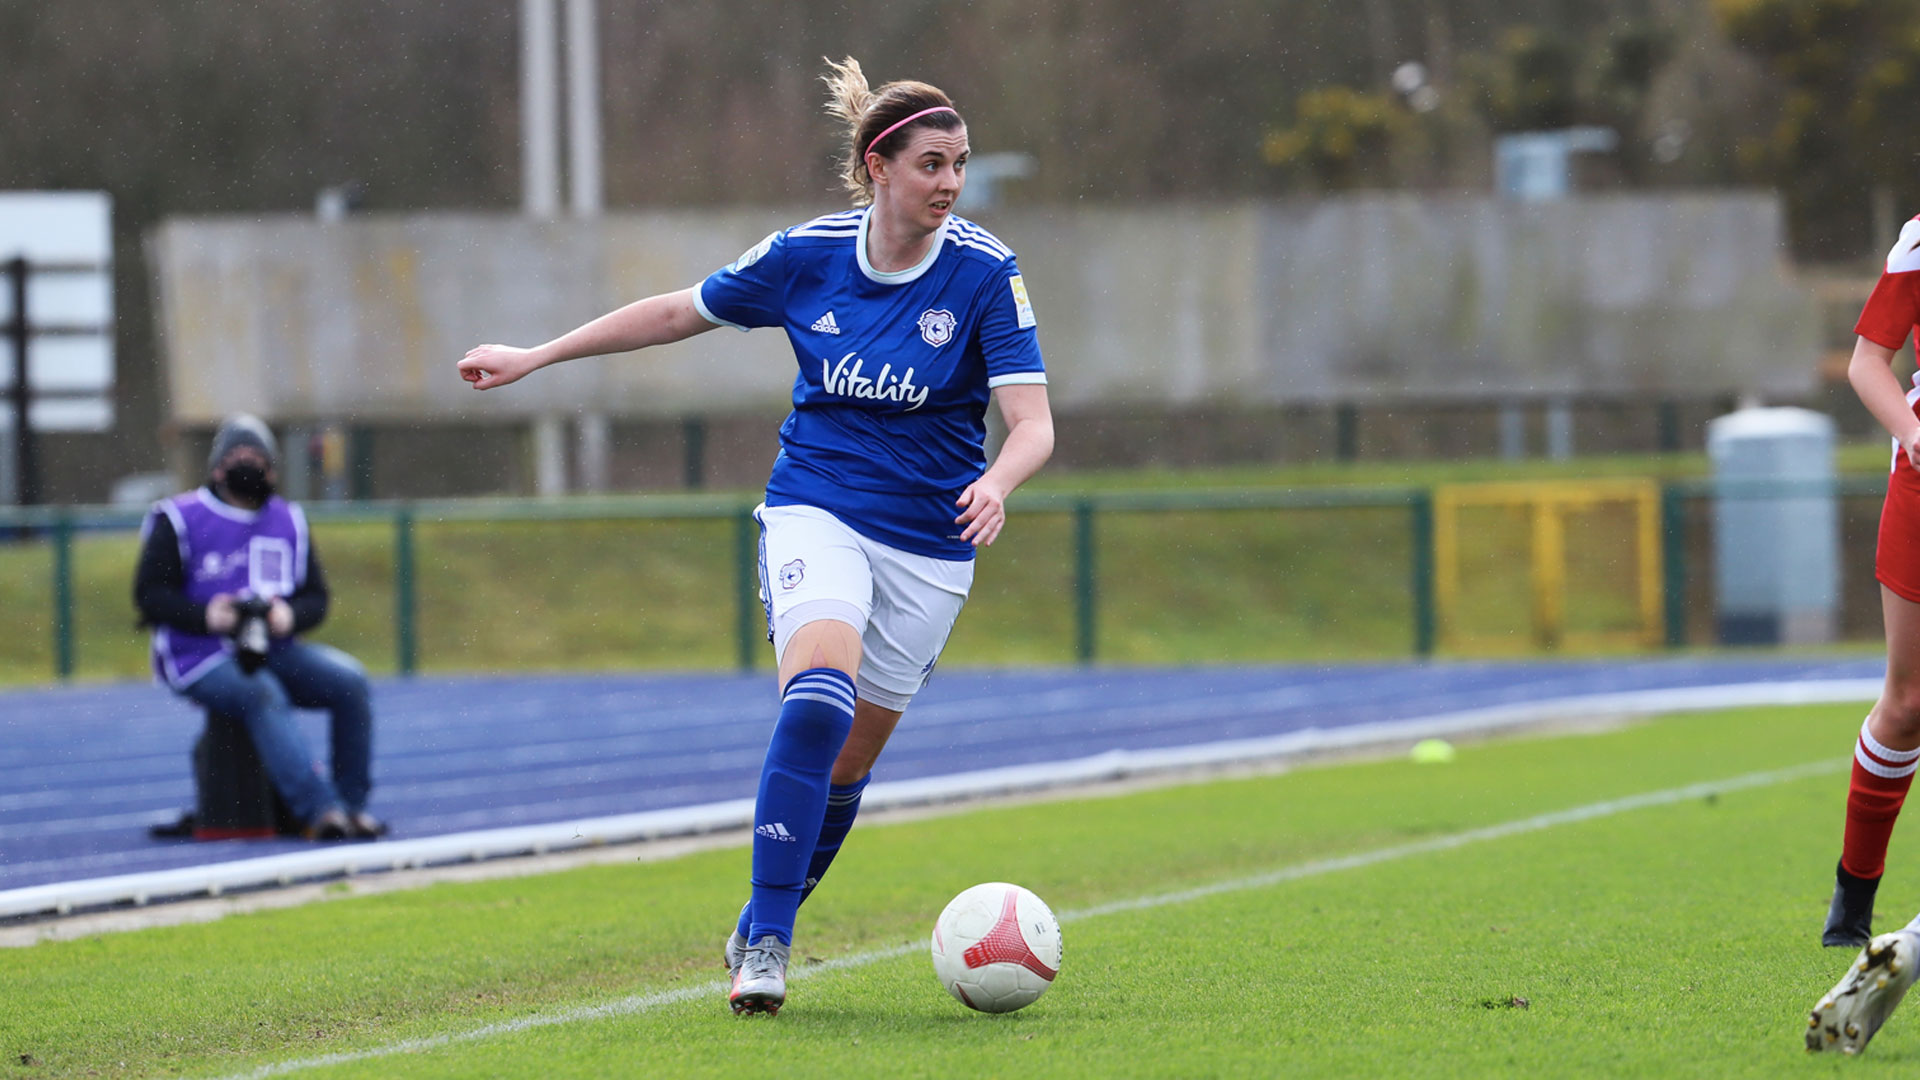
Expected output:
{"points": [[1881, 777]]}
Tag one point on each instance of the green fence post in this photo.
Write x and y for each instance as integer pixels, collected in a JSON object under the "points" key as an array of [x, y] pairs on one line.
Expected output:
{"points": [[1420, 558], [405, 642], [746, 533], [359, 463], [1673, 562], [63, 597], [1086, 610]]}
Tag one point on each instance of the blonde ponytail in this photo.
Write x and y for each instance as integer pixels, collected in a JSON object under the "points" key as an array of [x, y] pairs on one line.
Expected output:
{"points": [[847, 94], [869, 113]]}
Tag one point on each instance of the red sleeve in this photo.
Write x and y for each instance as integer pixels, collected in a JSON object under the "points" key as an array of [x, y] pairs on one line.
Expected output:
{"points": [[1892, 310], [1894, 307]]}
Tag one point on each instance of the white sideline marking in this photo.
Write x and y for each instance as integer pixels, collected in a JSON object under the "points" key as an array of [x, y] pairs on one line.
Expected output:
{"points": [[1314, 868]]}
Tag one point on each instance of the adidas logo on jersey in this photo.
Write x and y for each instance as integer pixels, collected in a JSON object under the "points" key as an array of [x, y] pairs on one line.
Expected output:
{"points": [[825, 324], [777, 831]]}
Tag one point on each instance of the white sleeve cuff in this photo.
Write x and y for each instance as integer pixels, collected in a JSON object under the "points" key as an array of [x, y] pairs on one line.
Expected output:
{"points": [[700, 305], [1018, 378]]}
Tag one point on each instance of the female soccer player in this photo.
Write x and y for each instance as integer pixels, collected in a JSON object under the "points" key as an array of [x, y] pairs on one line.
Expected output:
{"points": [[1889, 743], [905, 320]]}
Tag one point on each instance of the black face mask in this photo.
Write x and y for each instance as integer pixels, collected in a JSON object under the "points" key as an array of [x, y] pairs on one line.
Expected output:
{"points": [[248, 481]]}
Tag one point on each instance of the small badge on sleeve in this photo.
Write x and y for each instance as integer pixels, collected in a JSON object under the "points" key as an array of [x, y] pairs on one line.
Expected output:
{"points": [[755, 253], [1022, 306]]}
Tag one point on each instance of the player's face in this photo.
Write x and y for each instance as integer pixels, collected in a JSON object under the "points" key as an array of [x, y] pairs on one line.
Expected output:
{"points": [[922, 182]]}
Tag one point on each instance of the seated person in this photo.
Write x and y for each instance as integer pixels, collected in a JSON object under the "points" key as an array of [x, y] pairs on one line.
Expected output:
{"points": [[205, 553]]}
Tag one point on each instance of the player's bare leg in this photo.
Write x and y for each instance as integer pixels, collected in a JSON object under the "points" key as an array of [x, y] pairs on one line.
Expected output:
{"points": [[827, 643], [872, 727]]}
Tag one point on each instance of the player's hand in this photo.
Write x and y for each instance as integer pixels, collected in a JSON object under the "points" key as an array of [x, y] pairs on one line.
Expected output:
{"points": [[1913, 453], [279, 618], [488, 366], [221, 615], [985, 513]]}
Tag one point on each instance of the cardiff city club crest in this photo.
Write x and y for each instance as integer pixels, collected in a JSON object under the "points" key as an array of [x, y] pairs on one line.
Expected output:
{"points": [[792, 574], [936, 327]]}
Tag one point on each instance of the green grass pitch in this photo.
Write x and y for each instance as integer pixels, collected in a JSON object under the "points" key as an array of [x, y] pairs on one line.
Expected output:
{"points": [[1584, 905]]}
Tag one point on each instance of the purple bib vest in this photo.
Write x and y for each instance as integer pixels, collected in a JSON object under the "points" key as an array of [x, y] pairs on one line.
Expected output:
{"points": [[225, 549]]}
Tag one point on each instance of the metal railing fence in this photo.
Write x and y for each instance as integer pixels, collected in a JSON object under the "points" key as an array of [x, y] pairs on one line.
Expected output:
{"points": [[57, 527]]}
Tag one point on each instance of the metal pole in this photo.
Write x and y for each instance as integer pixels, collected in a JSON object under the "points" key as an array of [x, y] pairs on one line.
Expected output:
{"points": [[1346, 432], [1420, 556], [359, 463], [539, 110], [583, 109], [1673, 538], [405, 643], [1667, 425], [693, 440], [1086, 606], [746, 533], [593, 450], [26, 470], [549, 455], [63, 597]]}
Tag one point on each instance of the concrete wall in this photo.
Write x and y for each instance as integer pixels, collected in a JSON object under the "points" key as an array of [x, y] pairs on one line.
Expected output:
{"points": [[1367, 298], [1473, 298]]}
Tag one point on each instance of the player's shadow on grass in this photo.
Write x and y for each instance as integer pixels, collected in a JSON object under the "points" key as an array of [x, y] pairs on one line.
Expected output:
{"points": [[853, 1018]]}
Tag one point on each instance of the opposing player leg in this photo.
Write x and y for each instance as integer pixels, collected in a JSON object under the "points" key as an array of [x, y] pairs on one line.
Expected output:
{"points": [[1884, 758]]}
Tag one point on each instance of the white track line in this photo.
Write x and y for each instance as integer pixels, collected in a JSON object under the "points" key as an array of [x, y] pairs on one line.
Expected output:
{"points": [[640, 1003]]}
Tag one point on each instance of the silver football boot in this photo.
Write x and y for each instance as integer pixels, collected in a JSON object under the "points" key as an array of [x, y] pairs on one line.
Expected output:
{"points": [[735, 952], [760, 985], [1847, 1018], [736, 948]]}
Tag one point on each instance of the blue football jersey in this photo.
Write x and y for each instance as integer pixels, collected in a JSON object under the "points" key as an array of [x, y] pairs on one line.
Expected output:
{"points": [[889, 409]]}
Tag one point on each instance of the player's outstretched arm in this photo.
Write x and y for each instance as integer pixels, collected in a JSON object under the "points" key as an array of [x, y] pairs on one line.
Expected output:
{"points": [[1028, 444], [657, 320]]}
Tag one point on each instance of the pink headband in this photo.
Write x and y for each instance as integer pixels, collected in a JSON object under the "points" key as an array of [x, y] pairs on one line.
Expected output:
{"points": [[904, 123]]}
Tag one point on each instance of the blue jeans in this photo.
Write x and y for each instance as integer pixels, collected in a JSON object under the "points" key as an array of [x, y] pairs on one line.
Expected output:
{"points": [[308, 677]]}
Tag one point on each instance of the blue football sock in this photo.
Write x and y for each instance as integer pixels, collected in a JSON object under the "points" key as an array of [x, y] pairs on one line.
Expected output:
{"points": [[843, 805], [816, 712]]}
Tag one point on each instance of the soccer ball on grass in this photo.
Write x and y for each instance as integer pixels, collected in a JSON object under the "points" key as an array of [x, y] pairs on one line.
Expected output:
{"points": [[996, 947]]}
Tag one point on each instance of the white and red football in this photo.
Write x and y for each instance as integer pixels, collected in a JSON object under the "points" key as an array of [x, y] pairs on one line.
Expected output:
{"points": [[996, 947]]}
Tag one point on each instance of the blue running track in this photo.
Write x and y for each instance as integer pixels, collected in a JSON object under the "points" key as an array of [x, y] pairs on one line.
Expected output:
{"points": [[84, 772]]}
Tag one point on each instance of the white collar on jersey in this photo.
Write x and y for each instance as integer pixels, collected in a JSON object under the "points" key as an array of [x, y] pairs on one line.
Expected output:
{"points": [[898, 277]]}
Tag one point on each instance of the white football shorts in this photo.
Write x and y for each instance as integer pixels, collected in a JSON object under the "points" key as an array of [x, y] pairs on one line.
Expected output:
{"points": [[812, 566]]}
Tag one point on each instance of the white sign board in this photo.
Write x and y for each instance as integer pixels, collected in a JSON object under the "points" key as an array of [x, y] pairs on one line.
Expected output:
{"points": [[67, 239]]}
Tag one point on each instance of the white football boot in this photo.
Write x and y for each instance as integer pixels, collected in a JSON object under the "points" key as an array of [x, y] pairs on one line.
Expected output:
{"points": [[761, 983], [1850, 1013]]}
